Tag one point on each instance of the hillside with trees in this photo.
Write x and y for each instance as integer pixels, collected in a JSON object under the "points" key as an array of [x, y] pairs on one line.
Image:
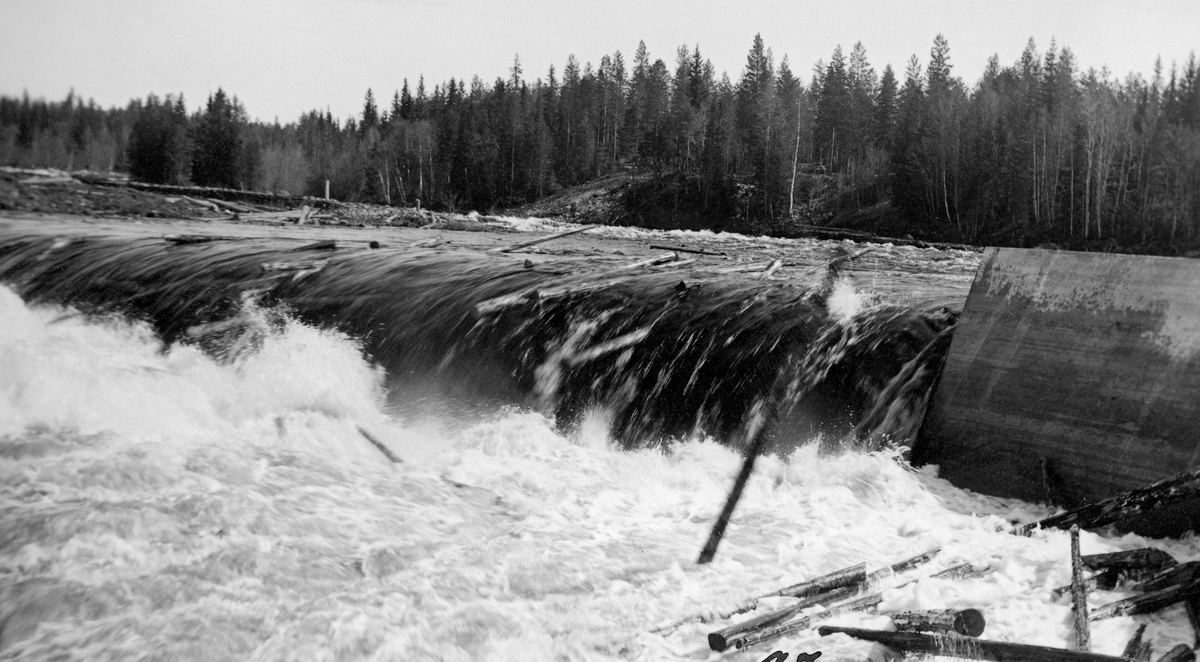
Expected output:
{"points": [[1038, 151]]}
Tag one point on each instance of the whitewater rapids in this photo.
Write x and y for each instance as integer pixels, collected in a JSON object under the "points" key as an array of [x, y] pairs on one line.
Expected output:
{"points": [[156, 504]]}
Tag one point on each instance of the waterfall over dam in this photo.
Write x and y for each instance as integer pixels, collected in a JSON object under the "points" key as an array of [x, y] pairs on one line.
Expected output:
{"points": [[666, 354]]}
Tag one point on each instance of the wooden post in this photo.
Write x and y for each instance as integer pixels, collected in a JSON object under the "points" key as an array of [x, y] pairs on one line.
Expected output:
{"points": [[327, 191], [1079, 595], [967, 622]]}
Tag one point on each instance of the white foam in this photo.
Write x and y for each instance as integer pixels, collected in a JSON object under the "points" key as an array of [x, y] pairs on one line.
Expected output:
{"points": [[159, 501]]}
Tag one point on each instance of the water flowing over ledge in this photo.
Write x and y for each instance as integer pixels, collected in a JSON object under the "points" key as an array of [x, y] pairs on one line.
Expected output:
{"points": [[667, 356]]}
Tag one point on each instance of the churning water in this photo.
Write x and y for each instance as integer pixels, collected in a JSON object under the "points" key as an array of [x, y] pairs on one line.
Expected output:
{"points": [[157, 503]]}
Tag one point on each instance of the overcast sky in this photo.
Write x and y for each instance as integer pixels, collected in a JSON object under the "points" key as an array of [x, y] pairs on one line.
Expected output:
{"points": [[282, 57]]}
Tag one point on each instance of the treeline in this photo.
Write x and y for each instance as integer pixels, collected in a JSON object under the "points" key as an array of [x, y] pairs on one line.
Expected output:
{"points": [[1036, 151]]}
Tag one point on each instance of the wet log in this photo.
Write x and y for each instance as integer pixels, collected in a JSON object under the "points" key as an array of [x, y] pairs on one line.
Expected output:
{"points": [[1192, 605], [534, 242], [304, 265], [776, 265], [1101, 581], [720, 639], [232, 206], [1079, 595], [1137, 649], [735, 493], [962, 571], [327, 245], [726, 637], [967, 622], [852, 576], [967, 647], [1146, 558], [1148, 602], [379, 444], [682, 249], [651, 261], [1129, 504], [855, 574], [753, 639], [609, 346], [201, 203], [1181, 653], [1180, 574], [189, 239]]}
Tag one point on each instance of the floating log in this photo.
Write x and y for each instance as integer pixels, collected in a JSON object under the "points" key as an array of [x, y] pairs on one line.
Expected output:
{"points": [[1137, 649], [967, 647], [967, 622], [1144, 558], [379, 444], [962, 571], [651, 261], [63, 179], [855, 574], [1099, 581], [862, 604], [201, 203], [550, 293], [735, 493], [678, 263], [1148, 602], [725, 637], [771, 269], [305, 265], [1079, 595], [1180, 574], [1181, 653], [814, 592], [1129, 504], [232, 206], [757, 266], [188, 239], [609, 346], [327, 245], [200, 330], [532, 242], [682, 249]]}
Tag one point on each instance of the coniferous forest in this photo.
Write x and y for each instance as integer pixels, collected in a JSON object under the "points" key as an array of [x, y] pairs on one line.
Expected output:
{"points": [[1037, 151]]}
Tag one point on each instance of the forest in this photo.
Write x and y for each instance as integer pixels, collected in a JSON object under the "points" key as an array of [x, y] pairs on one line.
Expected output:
{"points": [[1036, 152]]}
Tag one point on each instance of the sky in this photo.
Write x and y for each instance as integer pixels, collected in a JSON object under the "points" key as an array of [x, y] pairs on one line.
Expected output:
{"points": [[284, 57]]}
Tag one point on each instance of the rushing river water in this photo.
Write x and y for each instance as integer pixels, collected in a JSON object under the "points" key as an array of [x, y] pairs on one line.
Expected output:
{"points": [[156, 503]]}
